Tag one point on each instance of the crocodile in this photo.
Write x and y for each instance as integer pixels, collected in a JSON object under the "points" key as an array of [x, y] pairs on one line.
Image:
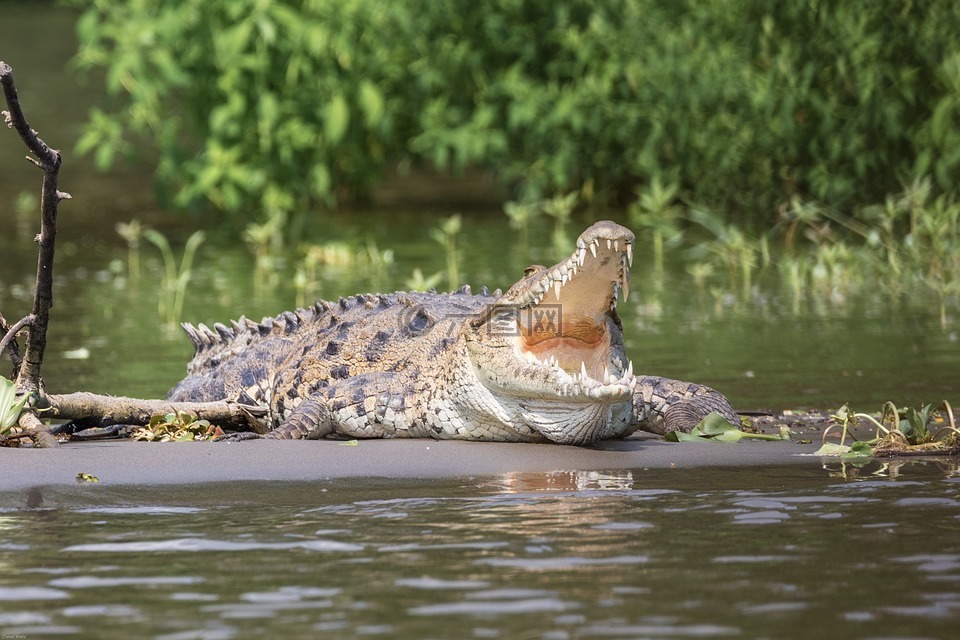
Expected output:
{"points": [[543, 362]]}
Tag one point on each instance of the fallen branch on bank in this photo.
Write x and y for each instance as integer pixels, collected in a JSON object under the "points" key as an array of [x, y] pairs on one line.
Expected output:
{"points": [[91, 409]]}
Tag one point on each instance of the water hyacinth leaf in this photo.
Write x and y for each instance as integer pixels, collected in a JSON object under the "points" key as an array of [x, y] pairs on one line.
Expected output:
{"points": [[714, 424], [731, 435], [679, 436], [832, 449], [10, 407], [859, 450]]}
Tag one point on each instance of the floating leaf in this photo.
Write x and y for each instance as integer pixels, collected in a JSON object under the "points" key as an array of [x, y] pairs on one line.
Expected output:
{"points": [[86, 477], [350, 443], [859, 450], [832, 449], [680, 436], [714, 424]]}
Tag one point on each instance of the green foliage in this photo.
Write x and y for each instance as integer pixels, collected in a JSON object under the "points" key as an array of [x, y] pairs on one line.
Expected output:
{"points": [[10, 407], [177, 427], [132, 232], [898, 432], [259, 106], [173, 286], [445, 234], [714, 427], [656, 211]]}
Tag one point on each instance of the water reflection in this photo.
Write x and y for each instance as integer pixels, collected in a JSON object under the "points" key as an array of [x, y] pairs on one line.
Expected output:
{"points": [[944, 466], [777, 552], [565, 481]]}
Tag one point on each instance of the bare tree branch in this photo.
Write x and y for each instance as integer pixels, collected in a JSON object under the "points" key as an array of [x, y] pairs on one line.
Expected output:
{"points": [[10, 344], [28, 378], [11, 332]]}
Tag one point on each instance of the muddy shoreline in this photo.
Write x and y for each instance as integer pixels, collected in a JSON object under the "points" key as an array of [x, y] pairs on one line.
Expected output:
{"points": [[127, 462]]}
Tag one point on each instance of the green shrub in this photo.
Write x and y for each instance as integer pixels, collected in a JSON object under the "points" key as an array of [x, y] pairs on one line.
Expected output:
{"points": [[265, 106]]}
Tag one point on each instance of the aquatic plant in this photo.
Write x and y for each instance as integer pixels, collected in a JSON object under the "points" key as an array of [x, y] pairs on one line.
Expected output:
{"points": [[521, 214], [265, 240], [446, 236], [898, 432], [716, 428], [731, 246], [177, 427], [132, 232], [174, 283], [26, 204], [419, 282], [10, 406], [330, 258], [656, 211], [560, 208]]}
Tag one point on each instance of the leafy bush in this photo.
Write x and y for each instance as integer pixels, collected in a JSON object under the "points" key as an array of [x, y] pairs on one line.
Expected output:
{"points": [[265, 107]]}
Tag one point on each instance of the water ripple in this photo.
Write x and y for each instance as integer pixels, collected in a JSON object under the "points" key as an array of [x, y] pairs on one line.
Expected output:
{"points": [[148, 510], [87, 582], [439, 584], [647, 631], [31, 593], [206, 544], [560, 563], [484, 608]]}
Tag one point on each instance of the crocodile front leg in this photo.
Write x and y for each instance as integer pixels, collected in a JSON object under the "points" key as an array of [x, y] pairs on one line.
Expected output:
{"points": [[310, 421], [366, 406], [661, 405]]}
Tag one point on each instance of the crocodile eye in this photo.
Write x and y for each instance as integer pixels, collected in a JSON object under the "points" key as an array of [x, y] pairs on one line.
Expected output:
{"points": [[420, 321]]}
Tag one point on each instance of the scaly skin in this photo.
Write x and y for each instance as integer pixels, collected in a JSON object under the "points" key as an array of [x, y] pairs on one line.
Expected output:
{"points": [[542, 362]]}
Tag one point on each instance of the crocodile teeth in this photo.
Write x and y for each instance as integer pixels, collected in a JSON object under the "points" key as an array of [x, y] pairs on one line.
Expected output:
{"points": [[629, 254], [616, 245], [582, 255], [556, 289], [626, 285], [629, 373], [583, 370], [593, 248]]}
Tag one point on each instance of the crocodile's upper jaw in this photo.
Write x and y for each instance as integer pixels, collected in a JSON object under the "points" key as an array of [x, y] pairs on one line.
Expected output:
{"points": [[555, 336]]}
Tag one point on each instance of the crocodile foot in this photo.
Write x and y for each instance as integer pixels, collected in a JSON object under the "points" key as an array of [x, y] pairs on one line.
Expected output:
{"points": [[686, 414]]}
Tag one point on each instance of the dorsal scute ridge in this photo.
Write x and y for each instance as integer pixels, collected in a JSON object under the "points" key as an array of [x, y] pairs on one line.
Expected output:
{"points": [[223, 338]]}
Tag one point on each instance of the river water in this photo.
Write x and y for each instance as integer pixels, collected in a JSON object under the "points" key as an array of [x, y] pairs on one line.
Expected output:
{"points": [[807, 550], [795, 552]]}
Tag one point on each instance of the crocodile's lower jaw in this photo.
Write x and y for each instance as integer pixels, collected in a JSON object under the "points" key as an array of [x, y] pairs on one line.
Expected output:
{"points": [[579, 425]]}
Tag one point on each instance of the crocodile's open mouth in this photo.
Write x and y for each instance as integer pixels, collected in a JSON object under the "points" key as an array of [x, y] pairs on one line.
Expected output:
{"points": [[563, 317], [566, 325]]}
